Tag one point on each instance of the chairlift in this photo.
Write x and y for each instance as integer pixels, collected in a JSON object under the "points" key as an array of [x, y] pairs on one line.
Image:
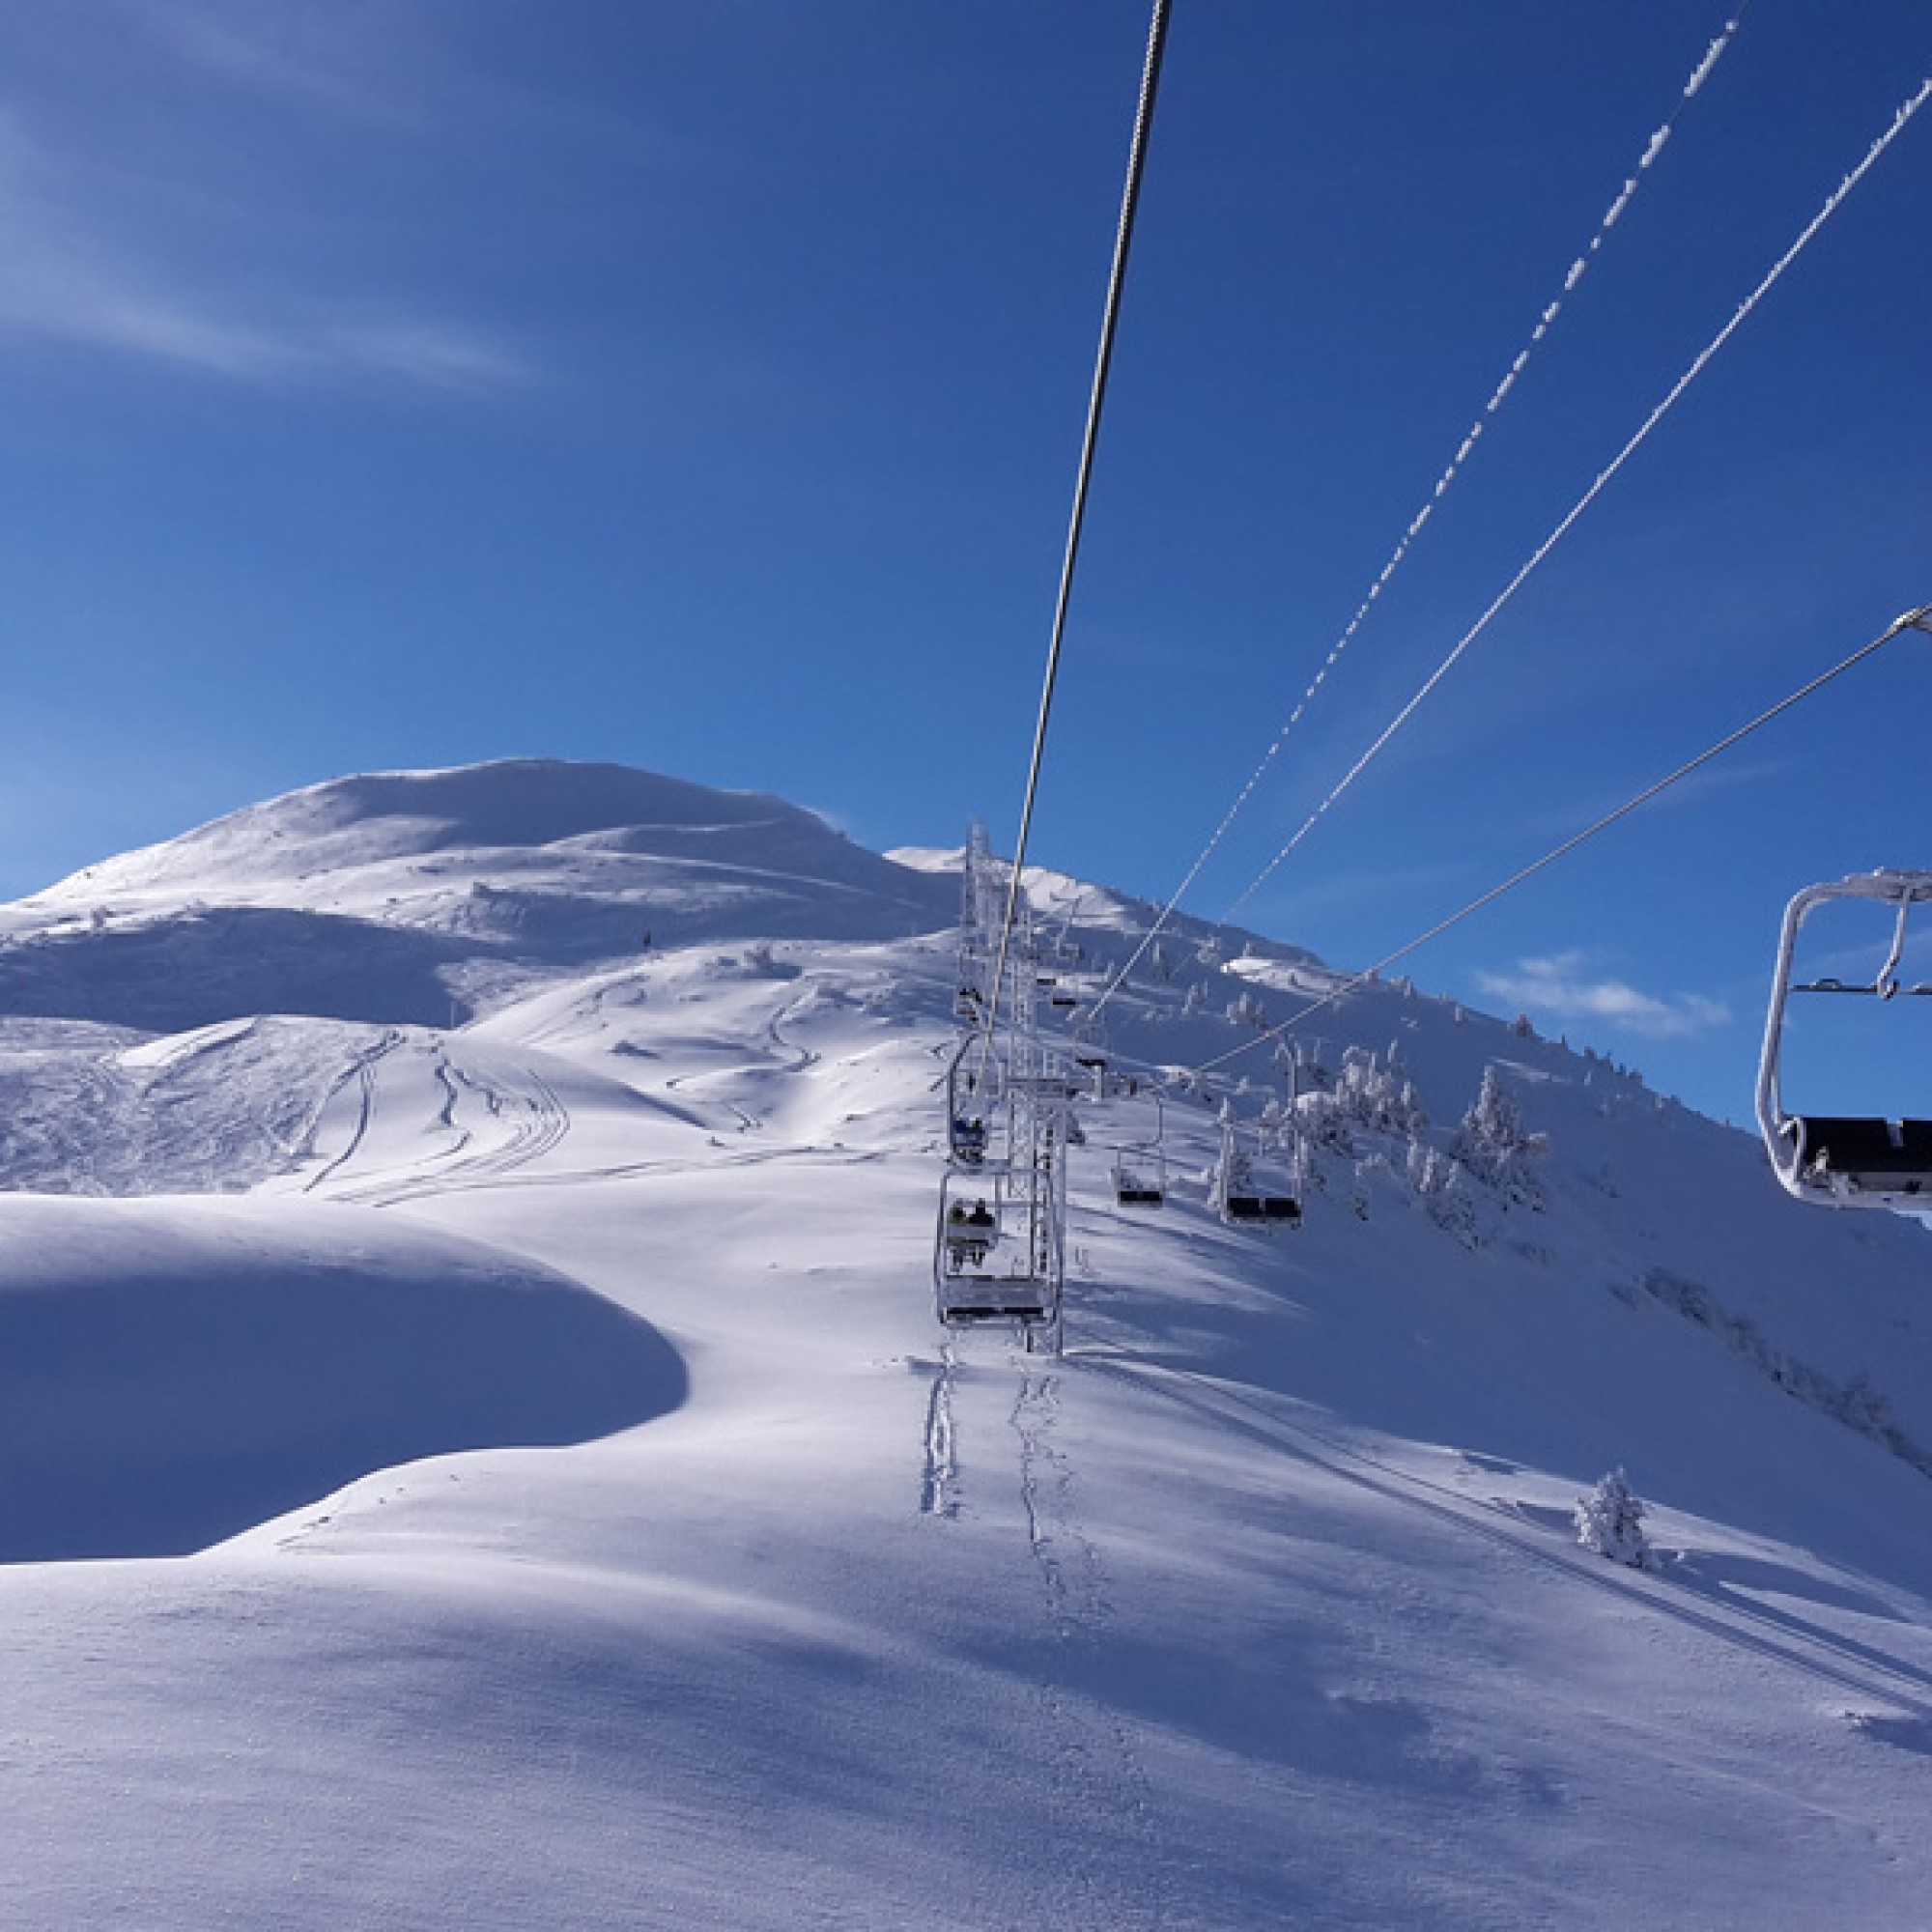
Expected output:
{"points": [[1090, 1050], [997, 1257], [972, 1093], [1140, 1171], [1838, 1160], [1250, 1194]]}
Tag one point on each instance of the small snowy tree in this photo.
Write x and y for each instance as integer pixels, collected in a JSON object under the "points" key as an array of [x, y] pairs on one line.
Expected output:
{"points": [[1609, 1521], [1492, 1144], [1376, 1097], [1247, 1011], [1196, 1000], [1442, 1187], [1426, 1171]]}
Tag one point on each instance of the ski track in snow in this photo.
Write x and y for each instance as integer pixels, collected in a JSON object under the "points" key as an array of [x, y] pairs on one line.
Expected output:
{"points": [[532, 1122], [1097, 1767], [523, 1119], [363, 1073], [938, 1486], [1095, 1771]]}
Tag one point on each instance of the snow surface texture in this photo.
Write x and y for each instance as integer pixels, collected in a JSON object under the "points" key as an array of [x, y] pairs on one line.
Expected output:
{"points": [[594, 1530]]}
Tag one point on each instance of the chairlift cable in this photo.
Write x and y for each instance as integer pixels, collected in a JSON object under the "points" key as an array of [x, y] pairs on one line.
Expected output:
{"points": [[1920, 619], [1833, 202], [1545, 321], [1103, 361]]}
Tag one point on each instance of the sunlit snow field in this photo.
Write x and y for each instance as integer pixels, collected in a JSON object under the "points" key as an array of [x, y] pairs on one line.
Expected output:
{"points": [[477, 1450]]}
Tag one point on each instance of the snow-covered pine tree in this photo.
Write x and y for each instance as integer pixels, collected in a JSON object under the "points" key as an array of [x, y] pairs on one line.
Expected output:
{"points": [[1246, 1010], [1494, 1145], [1609, 1521]]}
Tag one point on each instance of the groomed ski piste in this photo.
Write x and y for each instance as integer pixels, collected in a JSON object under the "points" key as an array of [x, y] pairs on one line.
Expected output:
{"points": [[478, 1451]]}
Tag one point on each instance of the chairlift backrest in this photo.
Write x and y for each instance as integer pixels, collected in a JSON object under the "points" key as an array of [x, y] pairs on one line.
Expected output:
{"points": [[1839, 1160]]}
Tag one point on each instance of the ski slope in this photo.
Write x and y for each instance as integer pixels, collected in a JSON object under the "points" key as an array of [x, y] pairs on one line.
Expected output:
{"points": [[522, 1483]]}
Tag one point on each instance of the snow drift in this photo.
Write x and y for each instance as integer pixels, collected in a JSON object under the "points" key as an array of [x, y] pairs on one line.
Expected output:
{"points": [[173, 1373]]}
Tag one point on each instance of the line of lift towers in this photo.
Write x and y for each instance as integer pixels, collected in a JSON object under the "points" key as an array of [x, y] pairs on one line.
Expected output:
{"points": [[1000, 1250]]}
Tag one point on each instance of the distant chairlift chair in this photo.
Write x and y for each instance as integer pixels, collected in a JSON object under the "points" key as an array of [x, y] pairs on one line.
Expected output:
{"points": [[971, 1093], [1140, 1171], [1836, 1160]]}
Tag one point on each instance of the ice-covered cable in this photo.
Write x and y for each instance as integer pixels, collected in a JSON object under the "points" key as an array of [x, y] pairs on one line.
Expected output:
{"points": [[1920, 619], [1545, 321], [1097, 402], [1605, 476]]}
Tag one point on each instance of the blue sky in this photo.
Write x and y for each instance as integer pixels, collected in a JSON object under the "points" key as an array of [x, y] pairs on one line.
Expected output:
{"points": [[400, 382]]}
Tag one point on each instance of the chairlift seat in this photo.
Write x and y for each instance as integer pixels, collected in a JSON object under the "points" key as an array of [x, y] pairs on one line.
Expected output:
{"points": [[1136, 1194], [1280, 1210], [1893, 1154], [1030, 1306], [1834, 1159]]}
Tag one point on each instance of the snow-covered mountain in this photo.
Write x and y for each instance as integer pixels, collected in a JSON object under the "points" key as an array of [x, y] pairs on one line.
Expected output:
{"points": [[530, 1330]]}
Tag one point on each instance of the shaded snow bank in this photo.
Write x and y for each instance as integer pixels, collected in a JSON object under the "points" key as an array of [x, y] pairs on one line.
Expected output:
{"points": [[173, 1371]]}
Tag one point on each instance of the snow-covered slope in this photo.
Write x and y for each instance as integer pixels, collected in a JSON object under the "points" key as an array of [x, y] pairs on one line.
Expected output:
{"points": [[411, 896], [612, 1539]]}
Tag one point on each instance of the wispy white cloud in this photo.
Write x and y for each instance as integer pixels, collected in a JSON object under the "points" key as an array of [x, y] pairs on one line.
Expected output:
{"points": [[1561, 987], [340, 59], [74, 277]]}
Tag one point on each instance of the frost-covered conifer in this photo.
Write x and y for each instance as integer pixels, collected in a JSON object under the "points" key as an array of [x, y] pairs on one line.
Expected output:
{"points": [[1492, 1144], [1247, 1011], [1610, 1521]]}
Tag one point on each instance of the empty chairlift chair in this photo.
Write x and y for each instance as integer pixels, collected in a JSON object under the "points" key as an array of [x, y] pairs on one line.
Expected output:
{"points": [[1834, 1160], [1140, 1171], [1142, 1185], [1251, 1193]]}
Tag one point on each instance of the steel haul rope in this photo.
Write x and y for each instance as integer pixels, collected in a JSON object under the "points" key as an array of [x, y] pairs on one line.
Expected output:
{"points": [[1103, 362]]}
